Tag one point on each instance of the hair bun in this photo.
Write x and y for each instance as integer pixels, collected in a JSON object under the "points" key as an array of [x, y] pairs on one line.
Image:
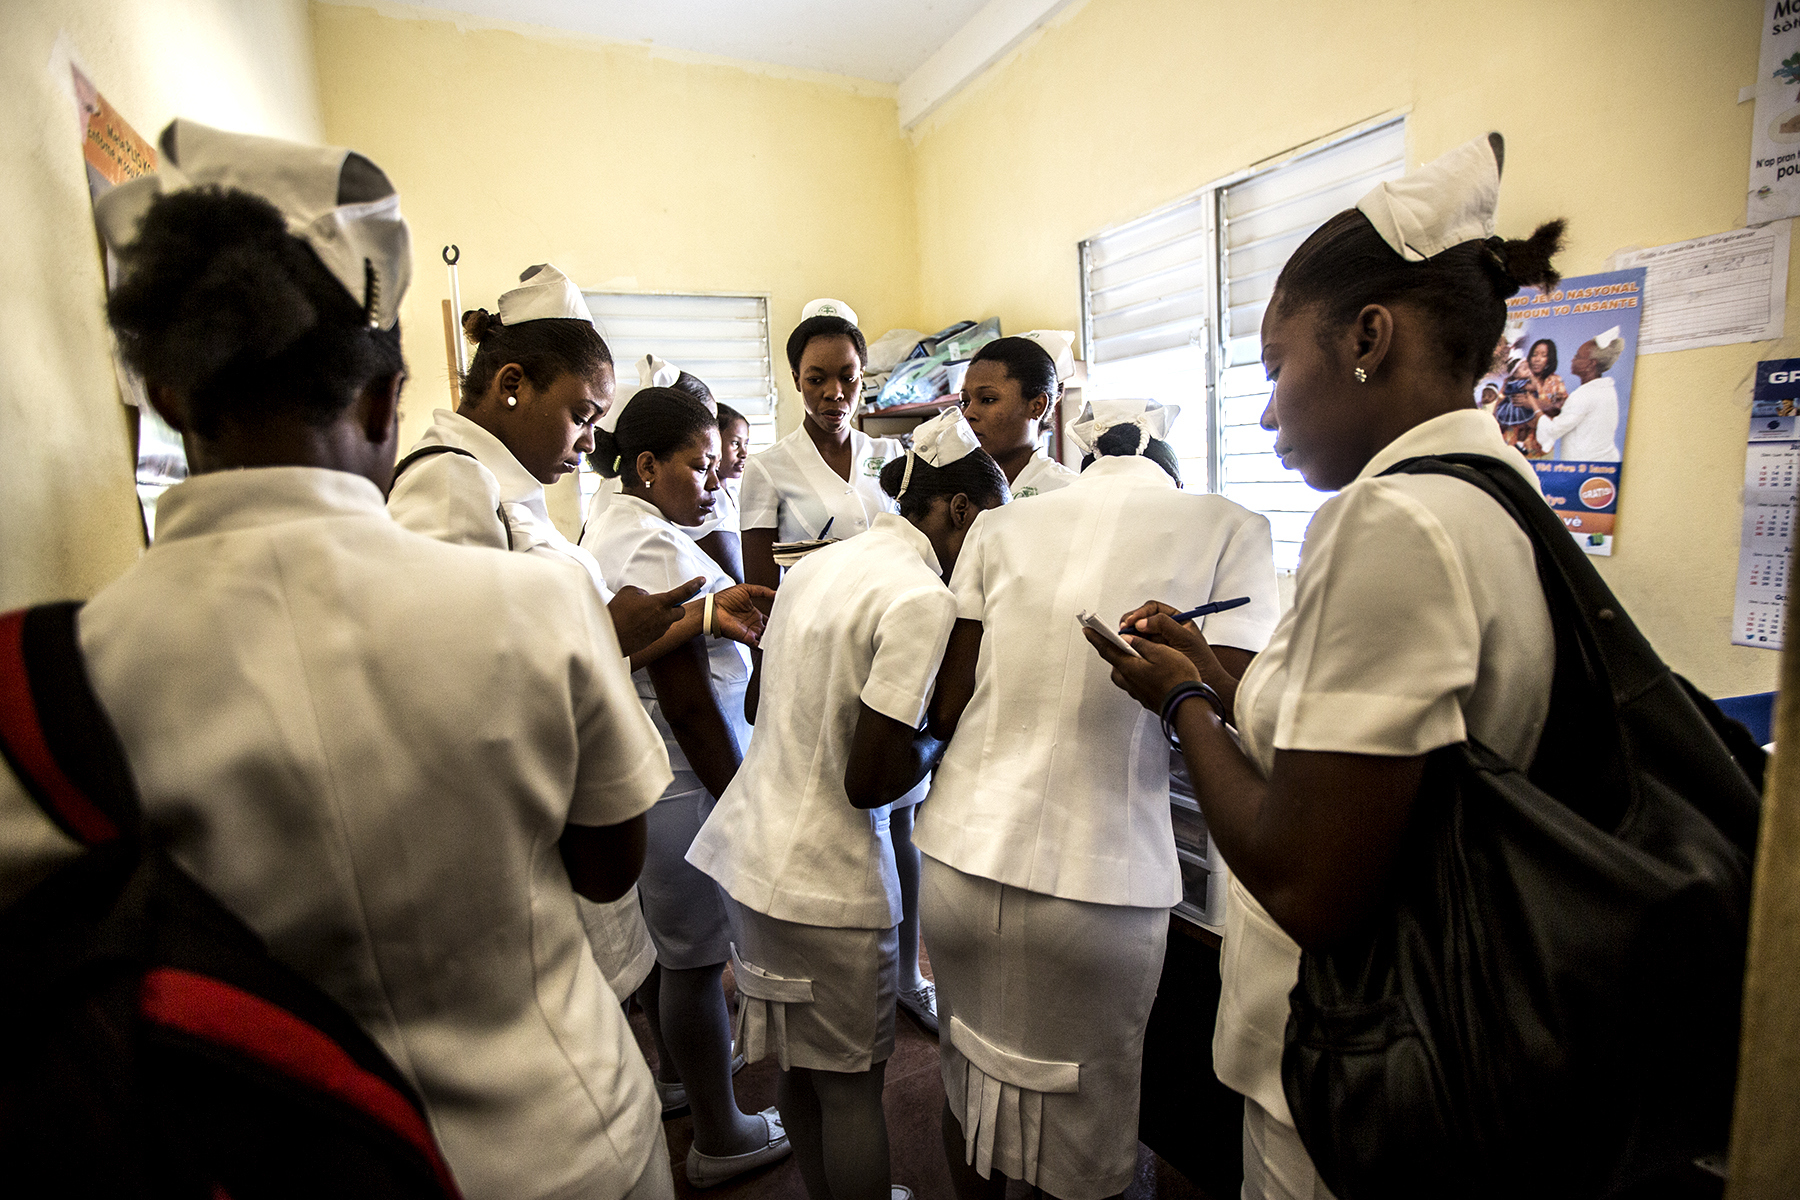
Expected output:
{"points": [[479, 323], [1527, 262]]}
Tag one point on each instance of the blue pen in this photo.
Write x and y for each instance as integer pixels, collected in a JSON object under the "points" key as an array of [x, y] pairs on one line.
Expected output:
{"points": [[827, 530], [1207, 610]]}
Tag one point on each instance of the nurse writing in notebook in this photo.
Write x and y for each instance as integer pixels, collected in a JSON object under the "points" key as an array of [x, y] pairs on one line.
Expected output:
{"points": [[825, 472]]}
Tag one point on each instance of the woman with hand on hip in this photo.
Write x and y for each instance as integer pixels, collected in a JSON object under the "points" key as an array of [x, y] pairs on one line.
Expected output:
{"points": [[797, 842], [1009, 395], [1050, 862], [541, 377], [311, 697], [1418, 618], [664, 447]]}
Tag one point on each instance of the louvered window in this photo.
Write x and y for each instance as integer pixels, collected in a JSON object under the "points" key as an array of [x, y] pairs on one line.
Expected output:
{"points": [[1173, 305], [724, 340]]}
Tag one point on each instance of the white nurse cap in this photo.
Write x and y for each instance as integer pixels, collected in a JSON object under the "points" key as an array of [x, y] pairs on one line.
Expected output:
{"points": [[1605, 340], [544, 294], [654, 372], [826, 307], [1151, 418], [1447, 202], [1608, 347], [333, 199], [1059, 344], [942, 440]]}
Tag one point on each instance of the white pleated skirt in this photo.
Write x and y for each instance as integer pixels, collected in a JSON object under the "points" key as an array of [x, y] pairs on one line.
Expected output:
{"points": [[1042, 1005], [813, 996]]}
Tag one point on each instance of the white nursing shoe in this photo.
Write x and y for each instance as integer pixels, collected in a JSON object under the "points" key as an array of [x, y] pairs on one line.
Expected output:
{"points": [[709, 1170]]}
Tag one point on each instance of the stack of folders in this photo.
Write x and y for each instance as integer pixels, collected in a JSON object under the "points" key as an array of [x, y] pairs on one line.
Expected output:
{"points": [[789, 553]]}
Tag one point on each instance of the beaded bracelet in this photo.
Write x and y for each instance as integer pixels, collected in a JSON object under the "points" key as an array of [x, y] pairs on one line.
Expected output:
{"points": [[1187, 689]]}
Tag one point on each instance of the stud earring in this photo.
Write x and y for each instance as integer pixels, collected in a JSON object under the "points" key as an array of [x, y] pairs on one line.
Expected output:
{"points": [[1362, 376], [513, 401]]}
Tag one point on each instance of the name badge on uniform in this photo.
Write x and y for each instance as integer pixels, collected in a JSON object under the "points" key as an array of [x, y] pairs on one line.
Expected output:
{"points": [[872, 467]]}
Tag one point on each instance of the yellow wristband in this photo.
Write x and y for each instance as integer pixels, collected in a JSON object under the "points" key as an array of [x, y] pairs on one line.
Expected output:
{"points": [[706, 618]]}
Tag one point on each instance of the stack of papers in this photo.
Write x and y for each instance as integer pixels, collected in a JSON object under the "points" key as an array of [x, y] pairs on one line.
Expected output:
{"points": [[789, 553]]}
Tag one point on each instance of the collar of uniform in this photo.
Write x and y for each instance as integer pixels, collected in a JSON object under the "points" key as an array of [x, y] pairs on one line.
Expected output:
{"points": [[1132, 470], [897, 526], [1462, 431], [639, 505], [453, 429], [223, 501]]}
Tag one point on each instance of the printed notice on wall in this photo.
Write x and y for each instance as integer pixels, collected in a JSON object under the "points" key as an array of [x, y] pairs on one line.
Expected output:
{"points": [[1771, 473], [1775, 129], [113, 153], [1711, 291], [1560, 387]]}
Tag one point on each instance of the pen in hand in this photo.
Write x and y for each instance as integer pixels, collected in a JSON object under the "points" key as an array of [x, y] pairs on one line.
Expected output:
{"points": [[1205, 610]]}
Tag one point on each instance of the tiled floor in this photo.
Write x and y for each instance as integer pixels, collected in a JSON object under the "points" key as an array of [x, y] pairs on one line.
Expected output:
{"points": [[914, 1099]]}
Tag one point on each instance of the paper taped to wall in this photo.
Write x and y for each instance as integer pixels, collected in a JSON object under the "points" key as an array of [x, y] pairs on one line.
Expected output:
{"points": [[1712, 291]]}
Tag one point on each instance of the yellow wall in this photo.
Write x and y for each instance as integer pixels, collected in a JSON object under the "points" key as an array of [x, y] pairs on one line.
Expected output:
{"points": [[68, 512], [1621, 116], [626, 168]]}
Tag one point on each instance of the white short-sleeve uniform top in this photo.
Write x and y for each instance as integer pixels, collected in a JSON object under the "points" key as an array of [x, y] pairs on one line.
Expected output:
{"points": [[1418, 621], [637, 546], [379, 795], [1042, 474], [1587, 424], [455, 498], [863, 622], [791, 489], [724, 516], [1056, 781]]}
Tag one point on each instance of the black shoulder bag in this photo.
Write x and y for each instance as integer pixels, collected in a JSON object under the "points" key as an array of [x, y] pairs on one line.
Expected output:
{"points": [[1550, 1008]]}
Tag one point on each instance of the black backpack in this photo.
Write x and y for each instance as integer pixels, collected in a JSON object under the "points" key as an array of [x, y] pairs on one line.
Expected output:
{"points": [[1550, 1006], [151, 1047]]}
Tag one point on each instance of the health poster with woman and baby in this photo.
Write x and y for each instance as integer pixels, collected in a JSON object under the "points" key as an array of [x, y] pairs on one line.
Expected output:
{"points": [[1560, 387]]}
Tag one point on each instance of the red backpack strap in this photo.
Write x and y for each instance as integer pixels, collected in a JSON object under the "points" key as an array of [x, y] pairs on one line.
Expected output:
{"points": [[53, 732]]}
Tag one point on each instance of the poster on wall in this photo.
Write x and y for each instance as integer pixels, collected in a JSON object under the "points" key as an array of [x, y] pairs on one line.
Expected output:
{"points": [[1775, 127], [1771, 472], [114, 152], [1560, 387]]}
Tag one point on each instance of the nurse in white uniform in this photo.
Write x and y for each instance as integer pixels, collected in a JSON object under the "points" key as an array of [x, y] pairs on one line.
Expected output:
{"points": [[1050, 862], [825, 473], [718, 534], [734, 452], [1418, 620], [541, 376], [798, 841], [825, 478], [310, 696], [1010, 394], [664, 447]]}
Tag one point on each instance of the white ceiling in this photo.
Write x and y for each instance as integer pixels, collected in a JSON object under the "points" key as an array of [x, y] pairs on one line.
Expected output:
{"points": [[883, 40]]}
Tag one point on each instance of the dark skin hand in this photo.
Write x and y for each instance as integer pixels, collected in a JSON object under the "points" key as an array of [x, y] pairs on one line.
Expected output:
{"points": [[737, 611], [758, 547], [683, 682], [1316, 841], [887, 758], [603, 861]]}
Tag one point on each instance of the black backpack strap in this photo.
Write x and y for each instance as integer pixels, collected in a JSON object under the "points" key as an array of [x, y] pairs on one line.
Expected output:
{"points": [[53, 732], [426, 452], [1602, 658]]}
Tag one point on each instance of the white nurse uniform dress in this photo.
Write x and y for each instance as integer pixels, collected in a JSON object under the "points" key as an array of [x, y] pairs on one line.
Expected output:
{"points": [[311, 699], [1050, 855], [484, 497], [636, 545], [814, 897]]}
